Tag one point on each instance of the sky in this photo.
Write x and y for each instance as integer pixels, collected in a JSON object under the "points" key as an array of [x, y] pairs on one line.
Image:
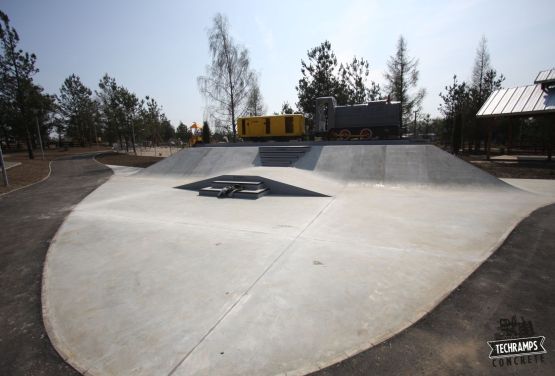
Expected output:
{"points": [[159, 48]]}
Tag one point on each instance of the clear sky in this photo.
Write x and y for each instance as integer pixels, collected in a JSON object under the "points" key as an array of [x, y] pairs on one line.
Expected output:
{"points": [[159, 48]]}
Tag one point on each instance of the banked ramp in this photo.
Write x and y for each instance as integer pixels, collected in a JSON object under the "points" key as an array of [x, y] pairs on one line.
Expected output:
{"points": [[392, 165]]}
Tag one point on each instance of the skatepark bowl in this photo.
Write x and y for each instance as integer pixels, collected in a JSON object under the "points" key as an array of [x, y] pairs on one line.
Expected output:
{"points": [[143, 278]]}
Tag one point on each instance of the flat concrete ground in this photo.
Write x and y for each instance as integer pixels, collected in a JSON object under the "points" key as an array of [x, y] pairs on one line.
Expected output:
{"points": [[29, 218], [516, 280]]}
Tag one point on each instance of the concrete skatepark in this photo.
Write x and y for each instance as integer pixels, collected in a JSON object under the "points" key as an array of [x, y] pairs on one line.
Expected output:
{"points": [[144, 278]]}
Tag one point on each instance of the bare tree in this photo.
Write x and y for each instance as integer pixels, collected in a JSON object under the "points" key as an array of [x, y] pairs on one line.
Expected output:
{"points": [[481, 66], [255, 102], [402, 75], [484, 81], [228, 78]]}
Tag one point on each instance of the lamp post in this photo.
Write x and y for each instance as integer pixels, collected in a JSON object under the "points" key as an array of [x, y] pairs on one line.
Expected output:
{"points": [[414, 135], [133, 134], [2, 164], [36, 112]]}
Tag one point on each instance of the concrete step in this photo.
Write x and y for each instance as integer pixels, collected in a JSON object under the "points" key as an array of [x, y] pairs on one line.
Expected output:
{"points": [[277, 163], [281, 156], [292, 159], [285, 148]]}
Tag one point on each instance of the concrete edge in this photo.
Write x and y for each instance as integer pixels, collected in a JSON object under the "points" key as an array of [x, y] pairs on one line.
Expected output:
{"points": [[418, 316], [102, 153], [63, 351], [56, 341], [29, 185]]}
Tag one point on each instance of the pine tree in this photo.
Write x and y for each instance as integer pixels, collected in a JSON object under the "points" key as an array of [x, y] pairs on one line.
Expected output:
{"points": [[318, 77], [206, 133], [78, 109], [17, 69]]}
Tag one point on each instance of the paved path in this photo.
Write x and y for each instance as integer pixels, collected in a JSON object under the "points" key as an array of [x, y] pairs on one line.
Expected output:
{"points": [[29, 218], [517, 280]]}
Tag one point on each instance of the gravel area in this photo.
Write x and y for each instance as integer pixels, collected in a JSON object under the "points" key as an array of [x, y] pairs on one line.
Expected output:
{"points": [[518, 170], [120, 159]]}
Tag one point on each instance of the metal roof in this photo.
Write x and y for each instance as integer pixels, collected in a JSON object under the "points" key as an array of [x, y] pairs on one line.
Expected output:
{"points": [[546, 76], [523, 100]]}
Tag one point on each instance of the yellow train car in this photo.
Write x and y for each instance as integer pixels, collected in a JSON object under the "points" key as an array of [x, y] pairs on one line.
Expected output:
{"points": [[274, 127]]}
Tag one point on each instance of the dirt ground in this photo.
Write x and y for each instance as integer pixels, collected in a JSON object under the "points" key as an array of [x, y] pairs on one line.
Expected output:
{"points": [[33, 170], [122, 159], [517, 170]]}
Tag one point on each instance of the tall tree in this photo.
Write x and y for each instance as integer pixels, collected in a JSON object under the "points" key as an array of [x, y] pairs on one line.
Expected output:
{"points": [[42, 107], [318, 77], [322, 77], [78, 110], [484, 81], [228, 78], [206, 133], [130, 109], [167, 129], [182, 133], [109, 108], [153, 118], [353, 87], [255, 102], [17, 69], [456, 102], [126, 117], [286, 108], [481, 66], [402, 76]]}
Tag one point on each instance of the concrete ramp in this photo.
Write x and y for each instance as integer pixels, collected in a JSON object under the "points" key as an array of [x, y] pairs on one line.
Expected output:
{"points": [[395, 165], [390, 165], [143, 278]]}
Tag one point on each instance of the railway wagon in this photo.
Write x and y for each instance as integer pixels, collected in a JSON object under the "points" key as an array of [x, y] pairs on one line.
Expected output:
{"points": [[372, 120], [274, 127]]}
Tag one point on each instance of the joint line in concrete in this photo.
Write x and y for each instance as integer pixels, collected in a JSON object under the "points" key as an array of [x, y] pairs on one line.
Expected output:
{"points": [[174, 369]]}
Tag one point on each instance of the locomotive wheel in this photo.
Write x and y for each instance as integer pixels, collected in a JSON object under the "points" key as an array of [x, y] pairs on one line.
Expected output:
{"points": [[365, 134], [333, 135], [345, 134]]}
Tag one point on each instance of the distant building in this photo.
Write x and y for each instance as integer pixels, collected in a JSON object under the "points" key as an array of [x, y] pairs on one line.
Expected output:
{"points": [[532, 101]]}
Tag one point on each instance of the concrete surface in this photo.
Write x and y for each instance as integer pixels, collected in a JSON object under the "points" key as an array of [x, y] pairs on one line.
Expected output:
{"points": [[124, 170], [29, 218], [144, 278], [517, 280]]}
